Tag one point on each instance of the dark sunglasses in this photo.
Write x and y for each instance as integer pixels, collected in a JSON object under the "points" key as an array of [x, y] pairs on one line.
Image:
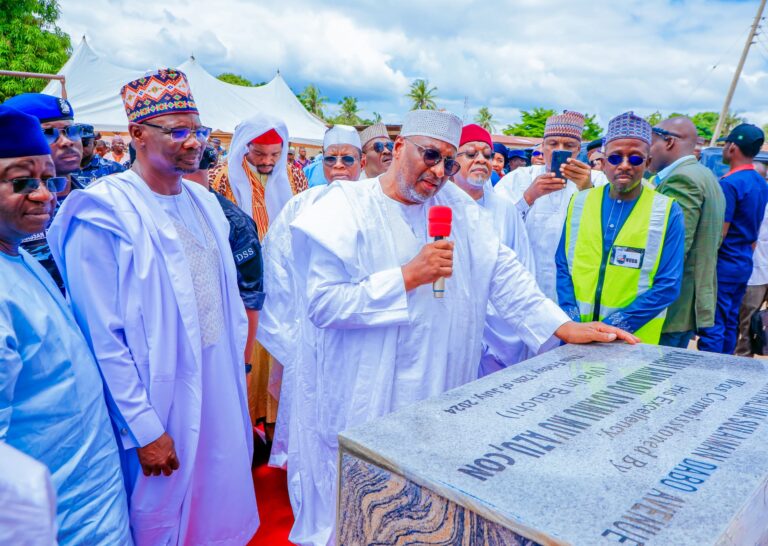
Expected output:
{"points": [[347, 160], [378, 147], [25, 186], [182, 134], [472, 154], [432, 157], [595, 162], [73, 132], [535, 153], [664, 133], [634, 159]]}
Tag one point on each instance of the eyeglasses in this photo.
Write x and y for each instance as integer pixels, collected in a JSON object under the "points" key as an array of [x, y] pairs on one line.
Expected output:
{"points": [[617, 159], [182, 134], [25, 186], [347, 160], [379, 146], [432, 157], [536, 153], [73, 132], [472, 154], [664, 133], [594, 162]]}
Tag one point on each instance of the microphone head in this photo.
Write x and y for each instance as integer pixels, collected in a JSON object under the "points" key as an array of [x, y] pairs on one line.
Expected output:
{"points": [[440, 221]]}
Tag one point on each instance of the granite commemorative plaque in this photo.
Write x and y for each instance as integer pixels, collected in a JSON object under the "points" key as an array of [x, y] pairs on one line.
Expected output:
{"points": [[593, 445]]}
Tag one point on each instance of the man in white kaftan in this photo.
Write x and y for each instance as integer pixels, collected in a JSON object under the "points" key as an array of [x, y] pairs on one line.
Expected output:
{"points": [[283, 326], [542, 197], [147, 263], [501, 347], [52, 405], [382, 340]]}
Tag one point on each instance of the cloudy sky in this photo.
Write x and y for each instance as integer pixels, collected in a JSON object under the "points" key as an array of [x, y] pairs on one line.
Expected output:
{"points": [[601, 56]]}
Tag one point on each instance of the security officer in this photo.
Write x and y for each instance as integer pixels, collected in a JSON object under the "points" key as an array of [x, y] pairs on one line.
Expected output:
{"points": [[92, 166]]}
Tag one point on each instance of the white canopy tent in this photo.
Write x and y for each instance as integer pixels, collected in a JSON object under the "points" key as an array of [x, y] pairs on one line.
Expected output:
{"points": [[93, 88]]}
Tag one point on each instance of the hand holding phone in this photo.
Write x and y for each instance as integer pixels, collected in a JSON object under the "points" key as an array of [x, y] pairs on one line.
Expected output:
{"points": [[558, 159]]}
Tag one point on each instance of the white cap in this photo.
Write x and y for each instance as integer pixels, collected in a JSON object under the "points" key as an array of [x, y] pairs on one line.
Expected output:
{"points": [[341, 134], [443, 126]]}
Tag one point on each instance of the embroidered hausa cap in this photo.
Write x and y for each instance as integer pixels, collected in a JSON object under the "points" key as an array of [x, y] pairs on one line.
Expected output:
{"points": [[628, 125], [568, 124], [342, 134], [443, 126], [377, 130], [158, 94]]}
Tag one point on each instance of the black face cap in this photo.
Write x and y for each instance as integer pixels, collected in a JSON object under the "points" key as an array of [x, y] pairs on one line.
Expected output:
{"points": [[746, 136]]}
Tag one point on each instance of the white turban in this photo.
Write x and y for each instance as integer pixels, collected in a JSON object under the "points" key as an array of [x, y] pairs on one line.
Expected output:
{"points": [[278, 189]]}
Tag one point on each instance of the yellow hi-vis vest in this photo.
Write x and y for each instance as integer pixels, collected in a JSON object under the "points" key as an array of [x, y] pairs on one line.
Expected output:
{"points": [[633, 260]]}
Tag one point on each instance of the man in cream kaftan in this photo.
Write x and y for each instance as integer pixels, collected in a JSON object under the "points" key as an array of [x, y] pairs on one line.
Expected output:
{"points": [[542, 197]]}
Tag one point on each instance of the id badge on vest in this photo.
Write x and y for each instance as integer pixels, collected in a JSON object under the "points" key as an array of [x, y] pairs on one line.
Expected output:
{"points": [[626, 256]]}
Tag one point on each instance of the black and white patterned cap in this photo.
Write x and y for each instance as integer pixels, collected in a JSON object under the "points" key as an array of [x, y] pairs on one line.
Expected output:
{"points": [[443, 126]]}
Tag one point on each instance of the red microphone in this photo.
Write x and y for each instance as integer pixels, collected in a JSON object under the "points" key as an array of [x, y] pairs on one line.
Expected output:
{"points": [[439, 228]]}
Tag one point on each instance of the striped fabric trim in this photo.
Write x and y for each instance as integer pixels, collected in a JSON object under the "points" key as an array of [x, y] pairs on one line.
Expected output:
{"points": [[578, 208], [653, 247]]}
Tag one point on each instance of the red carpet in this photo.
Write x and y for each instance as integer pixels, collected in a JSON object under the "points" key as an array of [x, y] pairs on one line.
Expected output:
{"points": [[274, 507]]}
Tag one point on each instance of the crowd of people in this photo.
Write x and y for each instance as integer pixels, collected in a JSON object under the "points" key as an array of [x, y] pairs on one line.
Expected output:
{"points": [[161, 298]]}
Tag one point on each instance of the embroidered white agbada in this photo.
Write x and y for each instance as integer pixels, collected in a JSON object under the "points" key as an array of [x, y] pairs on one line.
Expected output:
{"points": [[378, 348], [283, 324], [156, 296], [544, 219], [502, 347]]}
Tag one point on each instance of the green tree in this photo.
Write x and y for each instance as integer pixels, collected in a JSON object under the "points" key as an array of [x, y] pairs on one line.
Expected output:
{"points": [[706, 122], [30, 41], [313, 100], [592, 129], [422, 95], [654, 118], [484, 119], [531, 124], [236, 79], [349, 112]]}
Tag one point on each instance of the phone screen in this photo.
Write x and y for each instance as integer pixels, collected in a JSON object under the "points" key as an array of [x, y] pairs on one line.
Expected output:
{"points": [[559, 157]]}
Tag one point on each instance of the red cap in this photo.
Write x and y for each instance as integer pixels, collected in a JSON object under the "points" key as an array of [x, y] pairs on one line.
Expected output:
{"points": [[475, 133], [270, 137], [440, 221]]}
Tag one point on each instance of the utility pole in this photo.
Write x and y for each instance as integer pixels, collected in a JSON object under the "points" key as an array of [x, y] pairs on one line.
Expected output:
{"points": [[737, 74]]}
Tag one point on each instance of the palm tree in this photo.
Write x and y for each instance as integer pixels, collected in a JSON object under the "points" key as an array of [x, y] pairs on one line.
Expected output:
{"points": [[484, 119], [349, 111], [422, 96], [312, 100]]}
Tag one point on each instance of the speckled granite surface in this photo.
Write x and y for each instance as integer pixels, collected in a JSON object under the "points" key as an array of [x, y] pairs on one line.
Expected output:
{"points": [[583, 445]]}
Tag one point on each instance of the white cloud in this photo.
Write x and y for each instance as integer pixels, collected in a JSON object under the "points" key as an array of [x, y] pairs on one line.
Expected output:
{"points": [[602, 57]]}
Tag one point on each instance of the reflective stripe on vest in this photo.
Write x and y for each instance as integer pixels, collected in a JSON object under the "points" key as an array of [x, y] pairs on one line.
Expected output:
{"points": [[644, 230]]}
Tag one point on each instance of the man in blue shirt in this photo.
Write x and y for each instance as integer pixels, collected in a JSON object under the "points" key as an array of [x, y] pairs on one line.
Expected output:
{"points": [[52, 405], [746, 194], [627, 150]]}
